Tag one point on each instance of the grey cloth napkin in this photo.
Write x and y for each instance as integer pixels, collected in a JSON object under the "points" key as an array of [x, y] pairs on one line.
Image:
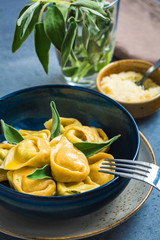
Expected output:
{"points": [[138, 31]]}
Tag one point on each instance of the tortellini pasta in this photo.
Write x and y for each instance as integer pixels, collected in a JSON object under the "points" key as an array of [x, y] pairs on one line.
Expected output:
{"points": [[68, 164], [4, 150], [64, 189], [95, 162], [66, 123], [41, 134], [70, 170], [19, 181], [85, 133], [33, 152]]}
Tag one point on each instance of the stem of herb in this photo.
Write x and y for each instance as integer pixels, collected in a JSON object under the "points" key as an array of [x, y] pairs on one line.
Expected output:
{"points": [[50, 1], [41, 12], [74, 57], [84, 71], [77, 13]]}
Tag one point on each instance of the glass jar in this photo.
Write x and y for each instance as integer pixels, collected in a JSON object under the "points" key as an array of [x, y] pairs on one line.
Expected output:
{"points": [[93, 46]]}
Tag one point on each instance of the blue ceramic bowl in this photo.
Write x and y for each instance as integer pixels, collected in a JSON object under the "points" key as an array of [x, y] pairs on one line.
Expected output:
{"points": [[29, 108]]}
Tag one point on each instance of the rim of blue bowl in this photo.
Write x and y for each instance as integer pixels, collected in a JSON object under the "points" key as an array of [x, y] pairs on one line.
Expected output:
{"points": [[83, 89]]}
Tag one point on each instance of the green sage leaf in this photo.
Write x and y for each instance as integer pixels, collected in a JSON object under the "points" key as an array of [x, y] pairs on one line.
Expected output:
{"points": [[85, 35], [69, 71], [11, 134], [19, 38], [68, 42], [63, 7], [42, 45], [41, 173], [95, 13], [90, 148], [105, 31], [54, 26], [92, 26], [90, 5], [56, 126], [27, 13], [93, 51], [26, 18], [83, 69]]}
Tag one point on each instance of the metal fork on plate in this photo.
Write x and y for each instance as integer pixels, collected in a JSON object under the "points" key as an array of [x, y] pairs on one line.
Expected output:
{"points": [[143, 171]]}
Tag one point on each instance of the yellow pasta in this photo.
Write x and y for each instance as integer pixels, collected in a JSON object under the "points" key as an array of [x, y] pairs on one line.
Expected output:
{"points": [[68, 164], [4, 150], [70, 170], [95, 162], [41, 134], [99, 135], [19, 181], [85, 133], [66, 123], [33, 152], [64, 189]]}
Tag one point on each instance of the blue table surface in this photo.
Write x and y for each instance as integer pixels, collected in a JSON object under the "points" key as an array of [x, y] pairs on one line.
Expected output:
{"points": [[22, 69]]}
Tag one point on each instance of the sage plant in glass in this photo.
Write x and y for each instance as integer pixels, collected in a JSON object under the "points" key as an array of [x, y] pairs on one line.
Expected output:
{"points": [[81, 31]]}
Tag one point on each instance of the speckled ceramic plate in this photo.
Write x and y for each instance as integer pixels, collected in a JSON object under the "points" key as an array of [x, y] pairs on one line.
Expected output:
{"points": [[118, 211]]}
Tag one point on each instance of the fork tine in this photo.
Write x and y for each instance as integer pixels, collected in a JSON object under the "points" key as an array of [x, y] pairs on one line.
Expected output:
{"points": [[129, 166], [143, 171], [139, 163], [123, 169], [125, 175]]}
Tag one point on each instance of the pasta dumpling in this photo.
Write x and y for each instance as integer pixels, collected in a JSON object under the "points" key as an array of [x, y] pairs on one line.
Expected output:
{"points": [[84, 133], [41, 134], [95, 162], [65, 123], [56, 164], [19, 181], [4, 150], [68, 164], [80, 134], [33, 152], [64, 189], [99, 135]]}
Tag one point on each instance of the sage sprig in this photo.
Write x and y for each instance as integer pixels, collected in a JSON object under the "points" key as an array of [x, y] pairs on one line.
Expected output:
{"points": [[27, 16], [56, 126], [68, 42], [91, 5], [54, 26], [26, 21], [90, 148], [41, 173], [11, 134], [42, 45], [57, 22]]}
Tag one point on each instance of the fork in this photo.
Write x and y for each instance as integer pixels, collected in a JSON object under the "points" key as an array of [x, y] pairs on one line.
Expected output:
{"points": [[139, 170]]}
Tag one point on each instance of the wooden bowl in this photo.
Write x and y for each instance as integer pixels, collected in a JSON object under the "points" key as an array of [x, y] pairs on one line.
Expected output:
{"points": [[137, 109]]}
